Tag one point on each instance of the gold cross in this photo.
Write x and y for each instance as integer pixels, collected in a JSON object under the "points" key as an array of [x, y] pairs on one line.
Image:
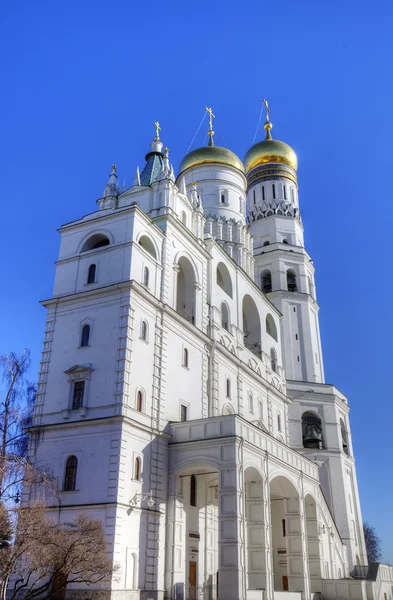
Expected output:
{"points": [[211, 117], [158, 129], [267, 109], [114, 167]]}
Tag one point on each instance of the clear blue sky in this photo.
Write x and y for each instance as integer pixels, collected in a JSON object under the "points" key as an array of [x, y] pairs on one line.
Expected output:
{"points": [[82, 83]]}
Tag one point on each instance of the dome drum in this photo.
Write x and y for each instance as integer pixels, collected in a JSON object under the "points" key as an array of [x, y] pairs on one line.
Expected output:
{"points": [[271, 171]]}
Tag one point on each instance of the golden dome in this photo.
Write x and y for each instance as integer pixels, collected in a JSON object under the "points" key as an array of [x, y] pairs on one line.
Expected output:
{"points": [[211, 154], [270, 151]]}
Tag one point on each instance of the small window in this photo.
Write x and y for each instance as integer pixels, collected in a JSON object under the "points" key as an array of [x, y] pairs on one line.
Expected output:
{"points": [[228, 386], [292, 195], [285, 241], [193, 490], [294, 309], [254, 196], [137, 469], [266, 282], [273, 360], [279, 422], [79, 392], [250, 403], [284, 189], [146, 277], [224, 316], [296, 336], [91, 277], [222, 198], [298, 358], [70, 474], [274, 190], [85, 336], [144, 331], [284, 529], [185, 358], [183, 413], [184, 218], [139, 401], [267, 243], [291, 281], [263, 192]]}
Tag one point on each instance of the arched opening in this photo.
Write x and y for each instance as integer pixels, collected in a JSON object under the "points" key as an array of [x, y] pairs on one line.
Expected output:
{"points": [[344, 437], [285, 241], [224, 279], [273, 359], [148, 245], [256, 559], [313, 533], [146, 277], [266, 282], [225, 322], [98, 240], [144, 331], [185, 358], [312, 431], [286, 536], [137, 469], [291, 281], [85, 337], [185, 295], [251, 326], [267, 243], [70, 474], [139, 401], [91, 276], [271, 328]]}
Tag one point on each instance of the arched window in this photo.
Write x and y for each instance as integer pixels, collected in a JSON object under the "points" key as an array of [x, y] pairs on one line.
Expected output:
{"points": [[266, 282], [250, 402], [148, 245], [312, 430], [251, 326], [224, 279], [91, 277], [273, 359], [185, 357], [70, 474], [139, 401], [144, 331], [267, 243], [344, 437], [193, 491], [224, 316], [146, 277], [185, 290], [271, 328], [85, 335], [137, 469], [285, 241], [228, 387], [291, 281], [98, 240]]}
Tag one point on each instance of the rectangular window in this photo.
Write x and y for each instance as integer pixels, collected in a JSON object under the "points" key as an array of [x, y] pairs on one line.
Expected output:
{"points": [[284, 189], [294, 309], [284, 529], [296, 336], [79, 391], [254, 196], [292, 195], [274, 190], [183, 413], [298, 358], [263, 192]]}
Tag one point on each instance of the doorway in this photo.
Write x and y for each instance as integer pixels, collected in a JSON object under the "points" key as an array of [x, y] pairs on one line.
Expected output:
{"points": [[285, 583], [192, 580]]}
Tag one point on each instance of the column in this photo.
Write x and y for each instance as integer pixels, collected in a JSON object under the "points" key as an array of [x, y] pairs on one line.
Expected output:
{"points": [[297, 546]]}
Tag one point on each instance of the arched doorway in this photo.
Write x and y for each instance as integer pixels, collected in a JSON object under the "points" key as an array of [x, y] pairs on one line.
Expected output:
{"points": [[256, 531], [185, 289], [251, 326], [287, 539]]}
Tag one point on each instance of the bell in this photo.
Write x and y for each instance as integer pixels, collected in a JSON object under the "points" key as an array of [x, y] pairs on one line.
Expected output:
{"points": [[312, 438]]}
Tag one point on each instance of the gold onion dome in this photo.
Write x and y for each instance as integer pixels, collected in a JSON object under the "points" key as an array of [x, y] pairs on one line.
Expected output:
{"points": [[270, 151], [211, 154]]}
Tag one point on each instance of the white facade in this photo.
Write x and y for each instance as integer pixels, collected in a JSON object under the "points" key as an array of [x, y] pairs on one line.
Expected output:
{"points": [[170, 376]]}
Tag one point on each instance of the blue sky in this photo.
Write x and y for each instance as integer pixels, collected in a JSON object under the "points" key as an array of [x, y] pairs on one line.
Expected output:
{"points": [[82, 84]]}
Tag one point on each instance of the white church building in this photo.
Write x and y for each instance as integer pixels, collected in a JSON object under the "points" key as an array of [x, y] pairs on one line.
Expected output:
{"points": [[181, 395]]}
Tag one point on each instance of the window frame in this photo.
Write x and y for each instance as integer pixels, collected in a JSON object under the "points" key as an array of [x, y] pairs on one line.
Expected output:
{"points": [[85, 337], [74, 468], [78, 396], [183, 409], [92, 269]]}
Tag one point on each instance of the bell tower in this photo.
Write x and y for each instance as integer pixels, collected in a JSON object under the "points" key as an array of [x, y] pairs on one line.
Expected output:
{"points": [[283, 268], [318, 416]]}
